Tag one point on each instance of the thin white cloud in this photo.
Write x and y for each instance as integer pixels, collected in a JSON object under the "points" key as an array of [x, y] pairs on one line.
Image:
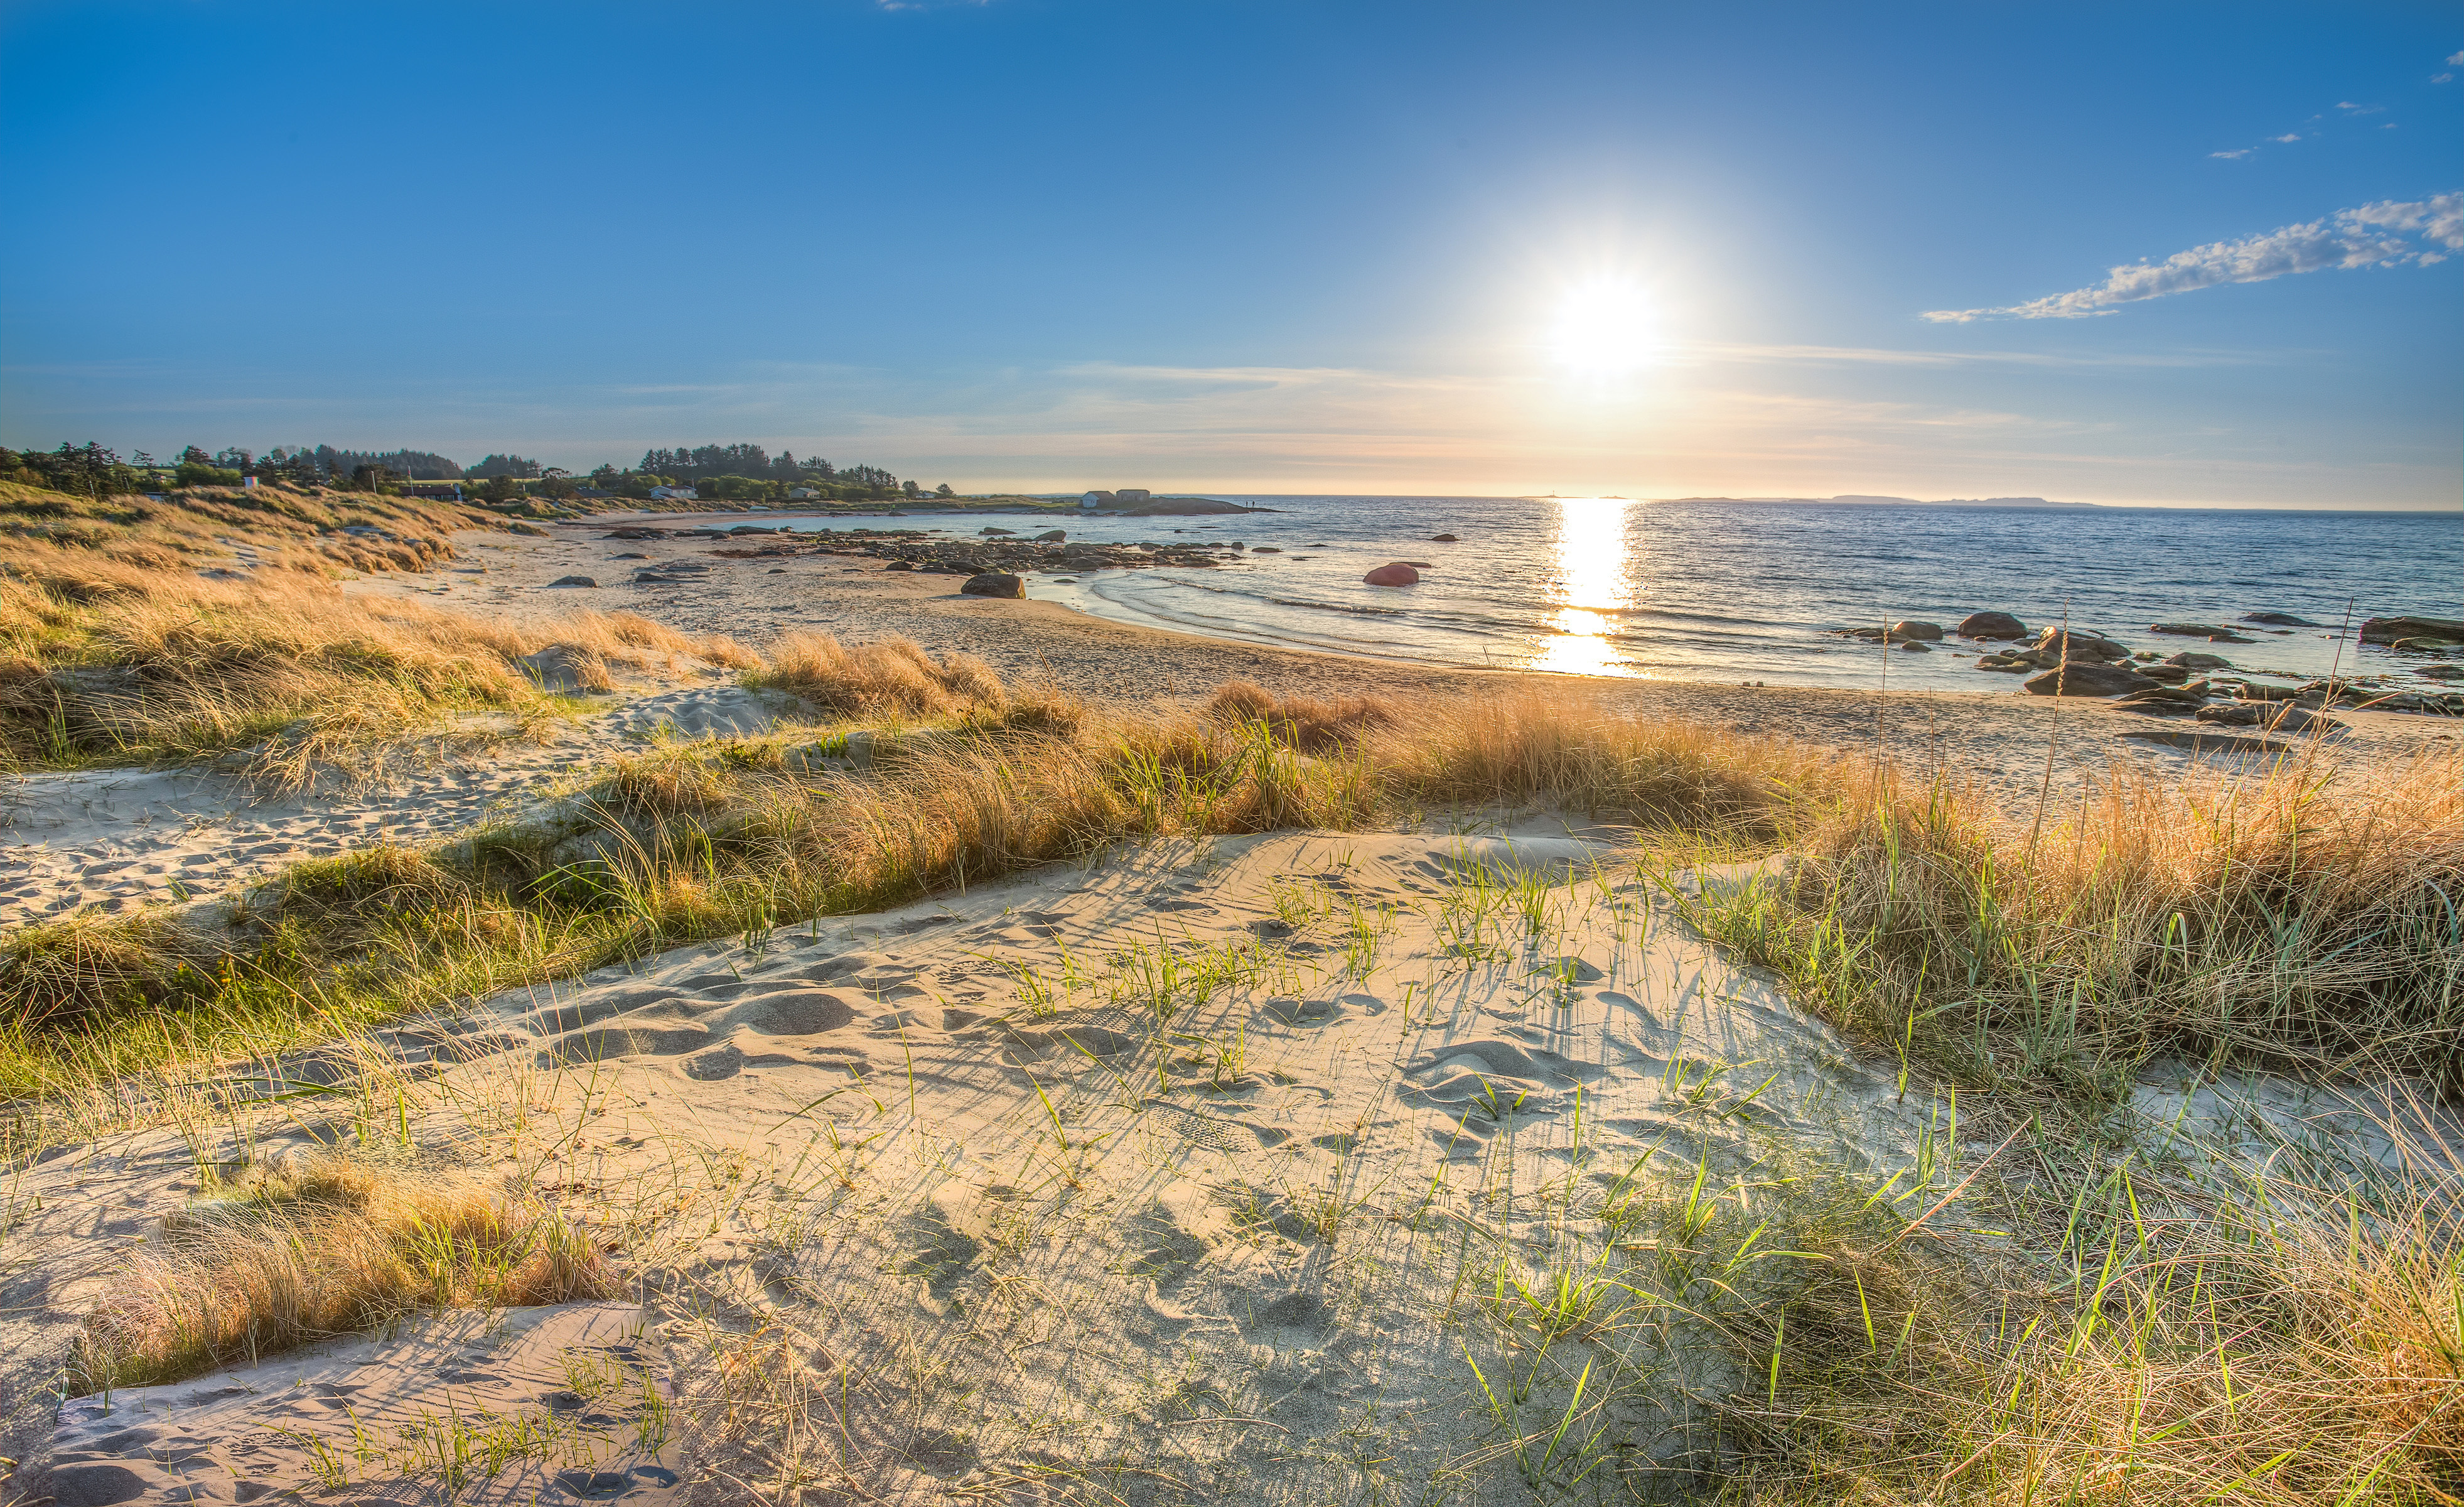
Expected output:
{"points": [[2350, 108], [2234, 155], [2372, 235], [2289, 136], [2440, 78], [2456, 58]]}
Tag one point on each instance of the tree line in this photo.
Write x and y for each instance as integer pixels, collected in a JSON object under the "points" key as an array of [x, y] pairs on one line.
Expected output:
{"points": [[739, 471]]}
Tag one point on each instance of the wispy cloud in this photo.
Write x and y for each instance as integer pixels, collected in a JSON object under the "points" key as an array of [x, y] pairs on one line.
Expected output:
{"points": [[2379, 235], [2285, 138], [2235, 155], [2350, 108]]}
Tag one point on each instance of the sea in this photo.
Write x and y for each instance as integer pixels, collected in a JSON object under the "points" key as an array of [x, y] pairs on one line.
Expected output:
{"points": [[1753, 592]]}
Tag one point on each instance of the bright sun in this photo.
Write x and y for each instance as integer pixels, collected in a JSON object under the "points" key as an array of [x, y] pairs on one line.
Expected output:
{"points": [[1603, 328]]}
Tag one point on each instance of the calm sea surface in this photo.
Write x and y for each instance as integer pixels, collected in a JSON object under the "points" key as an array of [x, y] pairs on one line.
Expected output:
{"points": [[1748, 591]]}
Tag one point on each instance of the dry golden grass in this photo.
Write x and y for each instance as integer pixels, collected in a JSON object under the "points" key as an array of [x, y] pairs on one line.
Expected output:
{"points": [[102, 660], [892, 678], [2301, 918], [292, 529], [327, 1246], [2280, 1345]]}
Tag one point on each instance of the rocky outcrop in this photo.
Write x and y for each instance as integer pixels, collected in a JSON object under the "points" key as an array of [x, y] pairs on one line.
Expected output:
{"points": [[995, 583], [1990, 626], [2271, 717], [2192, 659], [575, 581], [2279, 620], [1393, 574]]}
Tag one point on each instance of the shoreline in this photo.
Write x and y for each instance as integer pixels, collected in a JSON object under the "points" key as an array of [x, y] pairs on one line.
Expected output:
{"points": [[1997, 736]]}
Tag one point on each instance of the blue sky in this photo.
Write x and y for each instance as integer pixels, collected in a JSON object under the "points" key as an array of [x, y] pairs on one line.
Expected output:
{"points": [[1264, 247]]}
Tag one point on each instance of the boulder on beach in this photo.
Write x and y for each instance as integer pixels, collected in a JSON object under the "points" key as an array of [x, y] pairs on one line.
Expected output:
{"points": [[2279, 716], [2191, 659], [2420, 630], [2209, 631], [1394, 574], [575, 581], [900, 565], [2078, 644], [1910, 628], [2088, 678], [566, 668], [995, 583], [1992, 625]]}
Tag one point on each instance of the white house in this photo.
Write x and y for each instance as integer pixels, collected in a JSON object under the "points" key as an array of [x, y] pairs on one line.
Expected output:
{"points": [[1096, 499], [802, 494], [674, 495]]}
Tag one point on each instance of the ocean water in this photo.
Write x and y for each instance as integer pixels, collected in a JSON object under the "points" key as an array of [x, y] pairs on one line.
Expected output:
{"points": [[1741, 591]]}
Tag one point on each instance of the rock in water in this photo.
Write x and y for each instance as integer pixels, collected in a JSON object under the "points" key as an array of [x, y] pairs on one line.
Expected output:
{"points": [[1910, 629], [1051, 536], [2279, 620], [1395, 574], [2207, 631], [1444, 539], [1992, 625], [995, 583], [588, 581], [1913, 646], [2191, 659], [2396, 630], [2088, 677]]}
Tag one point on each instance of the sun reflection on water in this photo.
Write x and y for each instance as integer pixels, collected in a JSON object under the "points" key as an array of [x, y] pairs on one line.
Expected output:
{"points": [[1592, 585]]}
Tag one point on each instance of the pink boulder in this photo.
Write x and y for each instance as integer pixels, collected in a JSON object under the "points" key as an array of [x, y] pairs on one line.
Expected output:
{"points": [[1395, 574]]}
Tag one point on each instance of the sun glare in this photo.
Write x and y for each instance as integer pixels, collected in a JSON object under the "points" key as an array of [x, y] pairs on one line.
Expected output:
{"points": [[1604, 329]]}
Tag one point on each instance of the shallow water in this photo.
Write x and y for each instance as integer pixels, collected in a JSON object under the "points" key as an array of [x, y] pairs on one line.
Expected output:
{"points": [[1751, 590]]}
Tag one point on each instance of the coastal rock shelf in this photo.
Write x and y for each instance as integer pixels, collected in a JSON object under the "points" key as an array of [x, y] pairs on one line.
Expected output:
{"points": [[914, 549]]}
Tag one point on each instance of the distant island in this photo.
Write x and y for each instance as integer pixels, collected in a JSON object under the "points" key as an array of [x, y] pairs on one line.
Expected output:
{"points": [[1882, 502]]}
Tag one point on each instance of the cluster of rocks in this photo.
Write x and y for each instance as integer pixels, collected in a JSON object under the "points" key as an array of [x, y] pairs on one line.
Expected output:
{"points": [[2080, 662]]}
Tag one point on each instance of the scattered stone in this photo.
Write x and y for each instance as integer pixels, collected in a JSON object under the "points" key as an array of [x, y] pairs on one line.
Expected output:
{"points": [[2191, 659], [2088, 678], [2007, 664], [1395, 574], [2280, 719], [1266, 549], [1051, 536], [631, 554], [900, 565], [1910, 628], [2413, 632], [1437, 539], [1990, 625], [2279, 620], [1914, 646], [574, 581], [2207, 631], [2169, 675], [994, 583], [989, 532]]}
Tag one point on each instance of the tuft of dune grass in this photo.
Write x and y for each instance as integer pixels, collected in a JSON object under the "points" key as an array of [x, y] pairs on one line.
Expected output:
{"points": [[2278, 1344], [893, 676], [2300, 919], [317, 1248]]}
